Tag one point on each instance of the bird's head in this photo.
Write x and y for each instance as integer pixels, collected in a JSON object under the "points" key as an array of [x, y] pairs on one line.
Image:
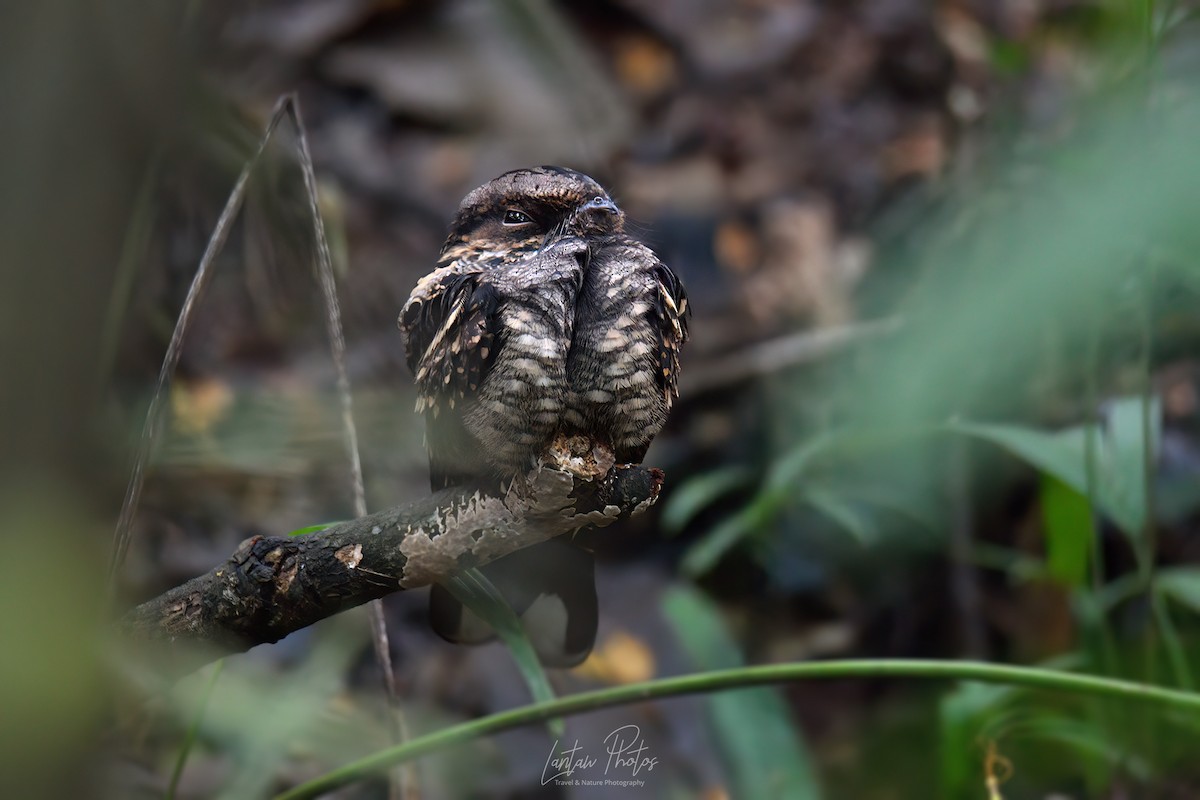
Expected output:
{"points": [[532, 208]]}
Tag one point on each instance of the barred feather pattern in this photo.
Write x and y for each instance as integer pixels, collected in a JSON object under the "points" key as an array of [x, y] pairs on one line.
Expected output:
{"points": [[623, 366], [487, 341], [542, 318]]}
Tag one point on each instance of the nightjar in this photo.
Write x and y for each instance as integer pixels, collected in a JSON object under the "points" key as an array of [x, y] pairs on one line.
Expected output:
{"points": [[544, 319]]}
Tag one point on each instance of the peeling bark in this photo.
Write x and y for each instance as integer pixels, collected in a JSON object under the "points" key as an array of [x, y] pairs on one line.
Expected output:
{"points": [[274, 585]]}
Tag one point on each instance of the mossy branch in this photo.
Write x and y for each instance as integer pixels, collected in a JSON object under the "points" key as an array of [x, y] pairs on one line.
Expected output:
{"points": [[274, 585]]}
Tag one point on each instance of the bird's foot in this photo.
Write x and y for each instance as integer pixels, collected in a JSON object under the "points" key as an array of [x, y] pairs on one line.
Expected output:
{"points": [[582, 456]]}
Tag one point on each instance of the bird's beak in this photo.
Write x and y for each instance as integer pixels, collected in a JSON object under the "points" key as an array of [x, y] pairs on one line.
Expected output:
{"points": [[598, 216], [598, 208], [601, 205]]}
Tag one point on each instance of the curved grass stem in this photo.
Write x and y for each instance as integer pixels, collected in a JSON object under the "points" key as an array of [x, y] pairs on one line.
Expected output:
{"points": [[1028, 677]]}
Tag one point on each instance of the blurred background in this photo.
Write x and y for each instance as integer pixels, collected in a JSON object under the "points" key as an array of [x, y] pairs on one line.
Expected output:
{"points": [[941, 397]]}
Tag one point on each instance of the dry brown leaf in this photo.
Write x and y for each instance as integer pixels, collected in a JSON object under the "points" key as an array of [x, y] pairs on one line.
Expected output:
{"points": [[645, 66], [737, 247]]}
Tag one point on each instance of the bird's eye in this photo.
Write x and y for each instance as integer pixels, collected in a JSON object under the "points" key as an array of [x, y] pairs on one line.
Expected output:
{"points": [[598, 200], [514, 217]]}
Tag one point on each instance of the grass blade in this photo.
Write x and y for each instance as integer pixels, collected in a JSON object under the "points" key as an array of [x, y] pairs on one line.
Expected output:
{"points": [[472, 588], [766, 756], [189, 740]]}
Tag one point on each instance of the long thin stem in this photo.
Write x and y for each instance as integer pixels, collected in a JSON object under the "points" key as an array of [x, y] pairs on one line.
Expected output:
{"points": [[1108, 647], [286, 105], [154, 413], [1098, 572], [333, 310], [1149, 538], [133, 253], [1171, 642], [337, 344], [964, 581], [189, 740], [1028, 677]]}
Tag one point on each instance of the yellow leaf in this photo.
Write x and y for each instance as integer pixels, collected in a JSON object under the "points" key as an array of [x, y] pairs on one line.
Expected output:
{"points": [[620, 658], [197, 405]]}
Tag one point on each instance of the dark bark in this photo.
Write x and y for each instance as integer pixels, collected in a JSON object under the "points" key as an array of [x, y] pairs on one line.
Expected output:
{"points": [[273, 585]]}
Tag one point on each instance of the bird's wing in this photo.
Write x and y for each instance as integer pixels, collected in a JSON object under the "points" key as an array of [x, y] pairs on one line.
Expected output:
{"points": [[451, 329], [671, 314]]}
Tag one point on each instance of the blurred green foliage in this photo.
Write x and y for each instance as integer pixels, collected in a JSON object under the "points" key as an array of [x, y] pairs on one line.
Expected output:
{"points": [[1047, 279], [51, 694], [772, 762], [1042, 289]]}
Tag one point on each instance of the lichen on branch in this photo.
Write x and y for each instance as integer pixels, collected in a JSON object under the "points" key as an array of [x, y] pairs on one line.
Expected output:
{"points": [[274, 585]]}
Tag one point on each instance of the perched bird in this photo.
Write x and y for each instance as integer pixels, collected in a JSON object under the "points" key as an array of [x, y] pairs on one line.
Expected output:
{"points": [[543, 320]]}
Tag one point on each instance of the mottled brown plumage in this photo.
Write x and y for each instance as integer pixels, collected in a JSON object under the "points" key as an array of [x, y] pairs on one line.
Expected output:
{"points": [[543, 319], [622, 368]]}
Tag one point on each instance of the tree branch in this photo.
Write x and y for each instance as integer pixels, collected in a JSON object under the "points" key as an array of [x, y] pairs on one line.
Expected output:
{"points": [[273, 585]]}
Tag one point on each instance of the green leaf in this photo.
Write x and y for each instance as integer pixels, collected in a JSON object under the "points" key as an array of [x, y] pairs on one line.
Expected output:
{"points": [[1017, 565], [1119, 454], [784, 484], [1059, 454], [779, 486], [1067, 521], [892, 500], [472, 588], [785, 473], [976, 715], [704, 554], [1008, 58], [765, 755], [313, 528], [843, 513], [963, 715], [697, 494], [1181, 584]]}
